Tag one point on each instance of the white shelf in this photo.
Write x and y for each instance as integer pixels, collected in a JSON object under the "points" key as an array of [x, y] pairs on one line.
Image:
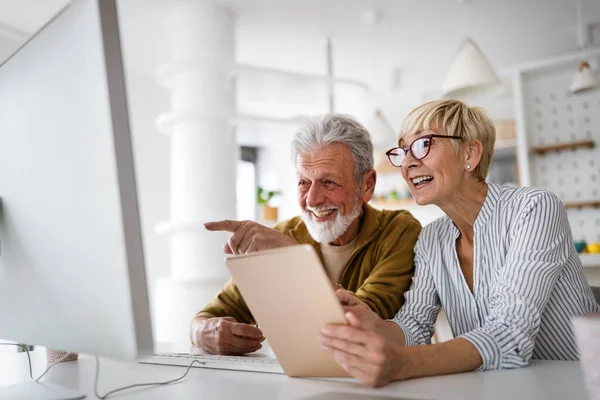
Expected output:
{"points": [[506, 144], [250, 69], [295, 120], [590, 260]]}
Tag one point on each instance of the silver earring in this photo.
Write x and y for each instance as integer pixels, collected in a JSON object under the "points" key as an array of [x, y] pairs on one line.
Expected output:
{"points": [[468, 166]]}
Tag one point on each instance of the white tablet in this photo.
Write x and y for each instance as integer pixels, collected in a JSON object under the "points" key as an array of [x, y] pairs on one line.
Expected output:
{"points": [[291, 299]]}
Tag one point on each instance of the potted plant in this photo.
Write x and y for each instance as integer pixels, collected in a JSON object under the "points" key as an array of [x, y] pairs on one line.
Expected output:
{"points": [[268, 212]]}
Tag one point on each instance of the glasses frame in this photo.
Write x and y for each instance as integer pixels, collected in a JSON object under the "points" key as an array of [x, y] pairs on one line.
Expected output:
{"points": [[408, 149]]}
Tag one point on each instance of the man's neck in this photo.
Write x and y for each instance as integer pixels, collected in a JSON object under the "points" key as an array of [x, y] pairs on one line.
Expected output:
{"points": [[351, 233]]}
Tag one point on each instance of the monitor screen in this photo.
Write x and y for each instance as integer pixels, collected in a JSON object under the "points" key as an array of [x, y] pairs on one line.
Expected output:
{"points": [[71, 261]]}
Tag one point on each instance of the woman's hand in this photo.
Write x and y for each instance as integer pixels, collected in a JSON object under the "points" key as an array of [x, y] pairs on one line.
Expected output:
{"points": [[369, 320], [363, 353]]}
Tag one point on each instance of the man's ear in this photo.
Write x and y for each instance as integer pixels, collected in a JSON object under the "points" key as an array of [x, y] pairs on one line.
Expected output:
{"points": [[368, 185], [474, 153]]}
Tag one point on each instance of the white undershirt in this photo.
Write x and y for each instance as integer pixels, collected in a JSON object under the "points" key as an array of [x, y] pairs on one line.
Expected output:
{"points": [[335, 259]]}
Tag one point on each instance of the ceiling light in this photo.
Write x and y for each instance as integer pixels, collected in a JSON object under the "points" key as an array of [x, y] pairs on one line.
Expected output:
{"points": [[470, 71], [585, 79]]}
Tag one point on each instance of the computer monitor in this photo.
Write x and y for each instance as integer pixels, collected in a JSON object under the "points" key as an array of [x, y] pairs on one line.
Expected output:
{"points": [[71, 260]]}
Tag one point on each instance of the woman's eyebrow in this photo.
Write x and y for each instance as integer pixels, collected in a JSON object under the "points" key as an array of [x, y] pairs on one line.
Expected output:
{"points": [[417, 133]]}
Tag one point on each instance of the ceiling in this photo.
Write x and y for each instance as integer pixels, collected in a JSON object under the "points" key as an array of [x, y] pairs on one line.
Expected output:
{"points": [[27, 16], [393, 45]]}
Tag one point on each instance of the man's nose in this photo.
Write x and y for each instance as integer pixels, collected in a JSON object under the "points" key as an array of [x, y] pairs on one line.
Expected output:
{"points": [[315, 196]]}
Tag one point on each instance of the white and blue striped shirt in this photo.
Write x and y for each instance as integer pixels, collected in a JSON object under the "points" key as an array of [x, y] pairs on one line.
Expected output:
{"points": [[528, 281]]}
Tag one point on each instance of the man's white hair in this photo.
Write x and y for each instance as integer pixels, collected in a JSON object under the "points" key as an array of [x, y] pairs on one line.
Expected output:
{"points": [[336, 128]]}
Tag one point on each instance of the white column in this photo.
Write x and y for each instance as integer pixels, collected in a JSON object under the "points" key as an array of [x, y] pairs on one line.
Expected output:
{"points": [[203, 162]]}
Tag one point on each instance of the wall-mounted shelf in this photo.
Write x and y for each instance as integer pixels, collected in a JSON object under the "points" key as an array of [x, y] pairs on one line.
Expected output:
{"points": [[393, 204], [582, 144], [295, 120], [582, 204], [590, 260], [506, 144], [505, 150], [255, 70]]}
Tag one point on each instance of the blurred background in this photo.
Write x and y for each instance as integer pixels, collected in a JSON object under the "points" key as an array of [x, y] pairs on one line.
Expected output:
{"points": [[218, 88]]}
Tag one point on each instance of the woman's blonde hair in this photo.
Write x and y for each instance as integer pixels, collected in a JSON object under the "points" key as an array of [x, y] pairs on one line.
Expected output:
{"points": [[455, 118]]}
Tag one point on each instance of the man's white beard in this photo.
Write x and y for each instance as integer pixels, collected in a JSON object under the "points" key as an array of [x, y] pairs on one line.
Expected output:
{"points": [[328, 231]]}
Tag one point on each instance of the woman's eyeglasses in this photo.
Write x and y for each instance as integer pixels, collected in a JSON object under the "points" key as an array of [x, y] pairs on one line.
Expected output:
{"points": [[419, 149]]}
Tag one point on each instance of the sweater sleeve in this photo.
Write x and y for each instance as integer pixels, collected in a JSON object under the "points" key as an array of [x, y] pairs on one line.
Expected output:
{"points": [[229, 302], [419, 313], [383, 290]]}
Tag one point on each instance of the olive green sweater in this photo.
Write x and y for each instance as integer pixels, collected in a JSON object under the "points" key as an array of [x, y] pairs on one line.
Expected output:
{"points": [[379, 270]]}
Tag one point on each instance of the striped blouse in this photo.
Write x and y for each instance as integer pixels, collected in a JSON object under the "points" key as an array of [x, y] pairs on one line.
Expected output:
{"points": [[528, 281]]}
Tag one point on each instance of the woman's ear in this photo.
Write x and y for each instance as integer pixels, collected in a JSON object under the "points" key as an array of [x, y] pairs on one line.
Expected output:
{"points": [[473, 156]]}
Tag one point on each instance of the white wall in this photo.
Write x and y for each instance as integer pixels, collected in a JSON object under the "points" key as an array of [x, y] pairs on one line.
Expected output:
{"points": [[416, 39], [7, 47], [151, 152]]}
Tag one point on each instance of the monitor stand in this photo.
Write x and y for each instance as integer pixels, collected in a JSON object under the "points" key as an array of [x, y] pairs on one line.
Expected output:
{"points": [[0, 223], [39, 391]]}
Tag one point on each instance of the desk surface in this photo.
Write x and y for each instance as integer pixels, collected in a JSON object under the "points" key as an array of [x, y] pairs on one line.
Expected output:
{"points": [[541, 380]]}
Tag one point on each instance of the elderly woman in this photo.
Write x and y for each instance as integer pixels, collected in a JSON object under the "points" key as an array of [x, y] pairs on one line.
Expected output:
{"points": [[501, 263]]}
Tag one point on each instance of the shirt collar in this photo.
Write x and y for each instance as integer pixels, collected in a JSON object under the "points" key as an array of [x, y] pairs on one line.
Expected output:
{"points": [[489, 204]]}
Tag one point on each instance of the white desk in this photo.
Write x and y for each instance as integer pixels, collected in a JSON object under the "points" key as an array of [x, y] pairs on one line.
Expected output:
{"points": [[541, 380]]}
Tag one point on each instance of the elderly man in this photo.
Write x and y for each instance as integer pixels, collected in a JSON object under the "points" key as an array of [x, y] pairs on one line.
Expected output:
{"points": [[366, 251]]}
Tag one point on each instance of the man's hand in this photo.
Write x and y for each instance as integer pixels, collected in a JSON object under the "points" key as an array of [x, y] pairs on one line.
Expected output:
{"points": [[226, 336], [249, 236]]}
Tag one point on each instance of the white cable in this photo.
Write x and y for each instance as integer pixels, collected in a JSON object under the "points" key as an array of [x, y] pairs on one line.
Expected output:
{"points": [[24, 347], [63, 358], [97, 374], [136, 384], [28, 356]]}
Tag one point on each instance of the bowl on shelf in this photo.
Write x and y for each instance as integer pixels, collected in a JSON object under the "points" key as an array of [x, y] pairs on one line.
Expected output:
{"points": [[593, 248], [580, 246]]}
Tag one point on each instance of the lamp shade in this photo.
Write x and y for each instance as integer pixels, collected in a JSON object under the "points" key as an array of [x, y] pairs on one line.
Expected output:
{"points": [[383, 138], [585, 79], [469, 71], [382, 133], [382, 163]]}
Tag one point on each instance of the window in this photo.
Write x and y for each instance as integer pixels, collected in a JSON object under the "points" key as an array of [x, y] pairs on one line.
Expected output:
{"points": [[246, 184]]}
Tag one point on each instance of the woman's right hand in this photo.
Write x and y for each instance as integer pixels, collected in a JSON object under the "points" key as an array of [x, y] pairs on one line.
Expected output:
{"points": [[369, 320], [364, 354]]}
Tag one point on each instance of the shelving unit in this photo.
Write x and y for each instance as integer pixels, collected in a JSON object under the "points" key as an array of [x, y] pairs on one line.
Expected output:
{"points": [[590, 260], [394, 204], [558, 134], [272, 103], [505, 150], [582, 204], [272, 95], [508, 144], [581, 144]]}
